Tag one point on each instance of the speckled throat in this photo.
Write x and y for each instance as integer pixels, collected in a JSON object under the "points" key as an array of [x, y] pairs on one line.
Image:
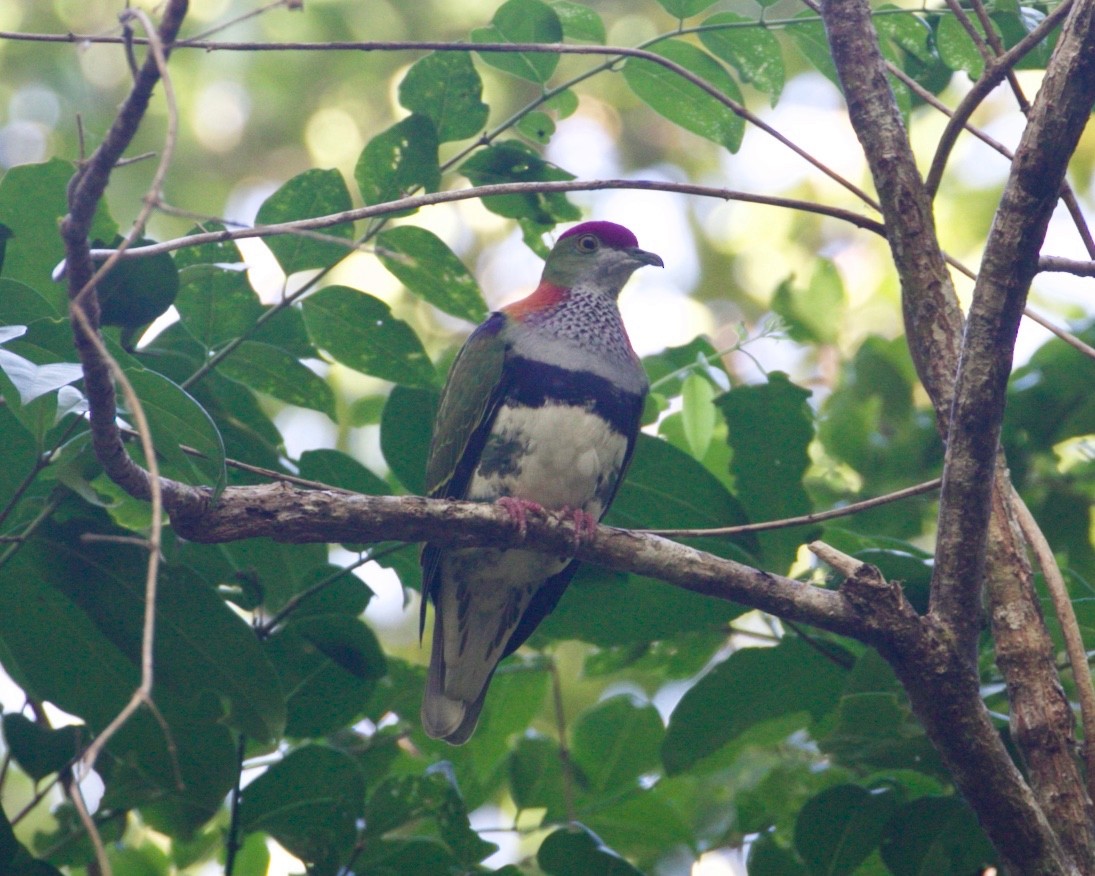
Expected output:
{"points": [[583, 332]]}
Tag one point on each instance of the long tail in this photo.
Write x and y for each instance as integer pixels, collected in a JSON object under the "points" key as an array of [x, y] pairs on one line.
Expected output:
{"points": [[444, 717]]}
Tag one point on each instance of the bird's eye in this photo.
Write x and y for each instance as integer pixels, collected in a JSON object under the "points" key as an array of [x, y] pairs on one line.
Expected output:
{"points": [[588, 243]]}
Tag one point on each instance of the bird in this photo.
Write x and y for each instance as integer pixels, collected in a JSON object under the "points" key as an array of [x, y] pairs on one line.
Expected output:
{"points": [[540, 412]]}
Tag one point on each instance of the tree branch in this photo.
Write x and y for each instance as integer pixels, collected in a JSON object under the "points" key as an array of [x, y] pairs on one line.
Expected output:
{"points": [[283, 513], [941, 678], [1009, 264], [414, 202]]}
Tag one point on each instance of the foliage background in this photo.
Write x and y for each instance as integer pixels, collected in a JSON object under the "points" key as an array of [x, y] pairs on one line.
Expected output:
{"points": [[694, 731]]}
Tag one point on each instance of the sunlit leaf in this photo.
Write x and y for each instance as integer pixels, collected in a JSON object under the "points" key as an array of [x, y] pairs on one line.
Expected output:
{"points": [[522, 21], [512, 161], [445, 88], [399, 160], [426, 266], [359, 331], [751, 49], [682, 101], [580, 23], [268, 369], [308, 195]]}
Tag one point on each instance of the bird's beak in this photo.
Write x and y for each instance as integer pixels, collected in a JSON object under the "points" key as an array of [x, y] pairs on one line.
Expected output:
{"points": [[644, 257]]}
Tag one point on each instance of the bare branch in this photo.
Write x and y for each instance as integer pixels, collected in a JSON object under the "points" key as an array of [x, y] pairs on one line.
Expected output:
{"points": [[286, 514], [993, 76], [1070, 630], [1081, 268], [425, 200], [1009, 264], [805, 519]]}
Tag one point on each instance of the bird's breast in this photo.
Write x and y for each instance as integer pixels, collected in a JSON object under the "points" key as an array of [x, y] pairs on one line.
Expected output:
{"points": [[556, 454]]}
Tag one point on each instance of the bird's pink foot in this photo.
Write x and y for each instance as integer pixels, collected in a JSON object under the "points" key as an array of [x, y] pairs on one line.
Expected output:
{"points": [[585, 524], [519, 510]]}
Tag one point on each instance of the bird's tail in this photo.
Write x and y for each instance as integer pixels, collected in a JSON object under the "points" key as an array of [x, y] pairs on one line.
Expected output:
{"points": [[443, 716]]}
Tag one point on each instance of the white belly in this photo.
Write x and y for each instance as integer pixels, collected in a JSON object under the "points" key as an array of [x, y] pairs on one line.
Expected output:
{"points": [[557, 456]]}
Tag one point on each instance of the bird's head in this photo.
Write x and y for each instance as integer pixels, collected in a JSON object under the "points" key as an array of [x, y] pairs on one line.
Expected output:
{"points": [[596, 254]]}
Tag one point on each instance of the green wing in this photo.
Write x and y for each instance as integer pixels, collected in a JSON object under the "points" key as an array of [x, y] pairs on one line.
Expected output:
{"points": [[468, 402]]}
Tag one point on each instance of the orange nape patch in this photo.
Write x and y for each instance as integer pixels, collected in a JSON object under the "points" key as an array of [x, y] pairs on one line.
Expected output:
{"points": [[546, 296]]}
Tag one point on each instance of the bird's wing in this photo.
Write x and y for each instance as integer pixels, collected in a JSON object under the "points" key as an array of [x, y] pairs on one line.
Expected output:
{"points": [[469, 402]]}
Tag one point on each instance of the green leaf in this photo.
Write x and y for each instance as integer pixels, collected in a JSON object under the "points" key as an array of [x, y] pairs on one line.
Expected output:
{"points": [[71, 616], [405, 429], [956, 47], [409, 857], [20, 454], [175, 418], [253, 858], [577, 851], [427, 267], [513, 161], [399, 160], [838, 829], [275, 570], [698, 414], [908, 31], [617, 741], [216, 304], [41, 751], [536, 126], [268, 369], [33, 381], [771, 427], [536, 776], [310, 802], [445, 88], [32, 202], [683, 102], [307, 195], [609, 608], [768, 858], [359, 331], [15, 860], [751, 49], [21, 304], [808, 36], [752, 685], [645, 825], [581, 24], [936, 836], [408, 799], [201, 644], [815, 314], [522, 21], [328, 665], [339, 470], [684, 8]]}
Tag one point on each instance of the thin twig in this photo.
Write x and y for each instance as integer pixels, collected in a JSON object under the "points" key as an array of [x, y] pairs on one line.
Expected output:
{"points": [[994, 73], [803, 520], [1079, 267], [1070, 630], [232, 843], [431, 198], [564, 749]]}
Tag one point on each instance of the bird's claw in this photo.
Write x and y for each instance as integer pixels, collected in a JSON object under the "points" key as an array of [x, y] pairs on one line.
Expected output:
{"points": [[585, 524], [518, 510]]}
